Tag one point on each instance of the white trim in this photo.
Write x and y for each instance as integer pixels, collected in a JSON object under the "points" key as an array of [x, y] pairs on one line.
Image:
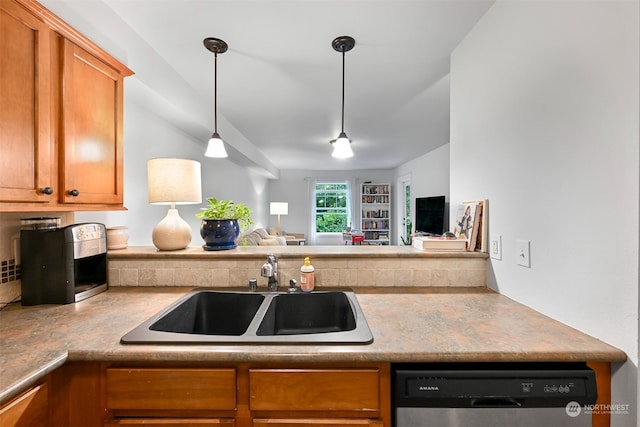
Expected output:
{"points": [[402, 182]]}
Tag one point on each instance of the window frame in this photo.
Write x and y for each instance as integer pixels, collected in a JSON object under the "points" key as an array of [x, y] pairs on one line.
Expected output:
{"points": [[347, 208]]}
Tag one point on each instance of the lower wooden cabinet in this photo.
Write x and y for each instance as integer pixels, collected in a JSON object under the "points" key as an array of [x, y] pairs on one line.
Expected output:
{"points": [[137, 390], [198, 394], [310, 396], [315, 422], [229, 395], [314, 390], [169, 422], [246, 395], [30, 409]]}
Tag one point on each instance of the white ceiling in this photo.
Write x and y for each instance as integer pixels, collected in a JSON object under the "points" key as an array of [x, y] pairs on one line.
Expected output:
{"points": [[279, 84]]}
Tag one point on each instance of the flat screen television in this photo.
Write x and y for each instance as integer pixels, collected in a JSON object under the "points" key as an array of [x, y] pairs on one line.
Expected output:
{"points": [[430, 215]]}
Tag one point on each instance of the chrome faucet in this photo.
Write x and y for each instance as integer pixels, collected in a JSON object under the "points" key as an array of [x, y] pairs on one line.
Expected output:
{"points": [[270, 271]]}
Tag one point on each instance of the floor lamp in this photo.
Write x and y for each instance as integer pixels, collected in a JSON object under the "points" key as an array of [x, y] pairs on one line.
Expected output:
{"points": [[279, 208]]}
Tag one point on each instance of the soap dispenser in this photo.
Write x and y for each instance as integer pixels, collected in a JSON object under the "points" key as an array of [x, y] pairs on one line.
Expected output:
{"points": [[307, 276]]}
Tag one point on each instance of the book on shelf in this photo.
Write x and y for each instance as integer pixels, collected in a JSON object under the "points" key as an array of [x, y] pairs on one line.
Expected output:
{"points": [[434, 243]]}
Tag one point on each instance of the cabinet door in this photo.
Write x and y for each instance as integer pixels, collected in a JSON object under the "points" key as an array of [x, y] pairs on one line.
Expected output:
{"points": [[26, 139], [29, 409], [91, 140]]}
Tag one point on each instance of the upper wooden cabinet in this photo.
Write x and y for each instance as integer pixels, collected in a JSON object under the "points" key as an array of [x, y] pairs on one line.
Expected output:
{"points": [[26, 129], [61, 136], [91, 141]]}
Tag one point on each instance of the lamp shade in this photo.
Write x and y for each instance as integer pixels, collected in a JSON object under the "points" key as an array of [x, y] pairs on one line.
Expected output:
{"points": [[215, 147], [174, 181], [279, 208], [342, 147]]}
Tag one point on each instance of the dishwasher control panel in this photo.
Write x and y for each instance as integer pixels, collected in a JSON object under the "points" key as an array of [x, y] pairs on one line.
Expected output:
{"points": [[494, 384]]}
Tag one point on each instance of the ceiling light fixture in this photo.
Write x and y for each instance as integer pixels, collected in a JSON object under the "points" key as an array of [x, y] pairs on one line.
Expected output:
{"points": [[342, 145], [215, 148]]}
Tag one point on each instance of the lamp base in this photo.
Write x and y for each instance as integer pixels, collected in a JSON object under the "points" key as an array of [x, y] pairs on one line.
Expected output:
{"points": [[172, 233]]}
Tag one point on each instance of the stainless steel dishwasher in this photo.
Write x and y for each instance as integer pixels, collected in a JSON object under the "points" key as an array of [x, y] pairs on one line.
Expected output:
{"points": [[493, 394]]}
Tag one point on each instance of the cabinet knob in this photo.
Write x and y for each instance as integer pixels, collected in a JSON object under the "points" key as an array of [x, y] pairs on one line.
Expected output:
{"points": [[47, 190], [74, 192]]}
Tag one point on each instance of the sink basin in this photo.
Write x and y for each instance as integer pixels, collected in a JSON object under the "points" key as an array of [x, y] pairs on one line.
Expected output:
{"points": [[214, 316], [211, 313], [292, 314]]}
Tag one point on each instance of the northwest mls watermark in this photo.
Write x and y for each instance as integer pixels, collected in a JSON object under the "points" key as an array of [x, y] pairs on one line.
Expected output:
{"points": [[573, 409]]}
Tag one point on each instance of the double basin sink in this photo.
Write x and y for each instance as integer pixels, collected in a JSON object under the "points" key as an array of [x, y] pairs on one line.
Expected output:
{"points": [[216, 316]]}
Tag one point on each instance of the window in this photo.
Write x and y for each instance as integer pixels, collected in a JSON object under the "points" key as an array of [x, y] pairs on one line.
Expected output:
{"points": [[331, 207]]}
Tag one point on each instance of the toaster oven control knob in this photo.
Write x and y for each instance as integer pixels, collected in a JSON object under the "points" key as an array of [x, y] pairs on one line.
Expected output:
{"points": [[74, 192], [47, 190]]}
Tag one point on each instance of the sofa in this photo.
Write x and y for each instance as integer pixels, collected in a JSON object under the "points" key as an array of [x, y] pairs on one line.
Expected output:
{"points": [[262, 237]]}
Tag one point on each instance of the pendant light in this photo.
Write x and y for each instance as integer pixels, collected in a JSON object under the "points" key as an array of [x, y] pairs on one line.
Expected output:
{"points": [[215, 148], [342, 145]]}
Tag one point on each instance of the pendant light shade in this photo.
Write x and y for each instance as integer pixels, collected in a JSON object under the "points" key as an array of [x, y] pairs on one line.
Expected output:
{"points": [[342, 145], [215, 148]]}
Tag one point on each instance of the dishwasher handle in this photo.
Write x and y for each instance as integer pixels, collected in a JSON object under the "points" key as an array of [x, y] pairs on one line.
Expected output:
{"points": [[496, 402]]}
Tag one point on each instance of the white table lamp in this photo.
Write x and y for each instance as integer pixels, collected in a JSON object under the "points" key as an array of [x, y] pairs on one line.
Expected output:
{"points": [[173, 182], [279, 208]]}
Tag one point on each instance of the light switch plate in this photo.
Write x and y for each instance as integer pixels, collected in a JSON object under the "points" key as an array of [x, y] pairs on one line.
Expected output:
{"points": [[495, 246], [523, 253]]}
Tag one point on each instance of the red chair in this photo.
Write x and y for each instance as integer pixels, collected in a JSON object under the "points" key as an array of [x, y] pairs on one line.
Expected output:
{"points": [[353, 237], [357, 238]]}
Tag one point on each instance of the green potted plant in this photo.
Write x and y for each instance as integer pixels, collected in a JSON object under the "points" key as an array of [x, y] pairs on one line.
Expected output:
{"points": [[222, 221]]}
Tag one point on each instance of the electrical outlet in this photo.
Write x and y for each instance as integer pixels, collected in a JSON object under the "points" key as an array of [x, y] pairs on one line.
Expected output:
{"points": [[15, 249], [495, 246], [523, 253]]}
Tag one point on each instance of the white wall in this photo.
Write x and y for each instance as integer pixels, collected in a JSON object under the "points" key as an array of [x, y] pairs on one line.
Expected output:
{"points": [[293, 187], [429, 176], [429, 173], [544, 124], [147, 136]]}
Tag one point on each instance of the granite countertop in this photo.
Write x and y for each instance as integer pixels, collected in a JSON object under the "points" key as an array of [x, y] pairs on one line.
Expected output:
{"points": [[408, 325], [331, 251]]}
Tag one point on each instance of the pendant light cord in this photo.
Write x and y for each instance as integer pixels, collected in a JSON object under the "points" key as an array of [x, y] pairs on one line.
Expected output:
{"points": [[215, 92], [343, 88]]}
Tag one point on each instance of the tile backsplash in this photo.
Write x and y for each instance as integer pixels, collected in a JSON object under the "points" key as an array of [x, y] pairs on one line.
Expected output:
{"points": [[9, 260], [10, 271]]}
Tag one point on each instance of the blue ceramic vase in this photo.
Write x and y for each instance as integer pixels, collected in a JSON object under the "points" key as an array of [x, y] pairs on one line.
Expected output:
{"points": [[219, 234]]}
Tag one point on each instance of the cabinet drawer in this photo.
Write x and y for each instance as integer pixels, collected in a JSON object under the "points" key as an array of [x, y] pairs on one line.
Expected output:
{"points": [[314, 390], [170, 422], [316, 423], [29, 409], [169, 389]]}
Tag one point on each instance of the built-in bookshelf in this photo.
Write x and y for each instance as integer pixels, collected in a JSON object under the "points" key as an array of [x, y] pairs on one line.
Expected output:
{"points": [[376, 213]]}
